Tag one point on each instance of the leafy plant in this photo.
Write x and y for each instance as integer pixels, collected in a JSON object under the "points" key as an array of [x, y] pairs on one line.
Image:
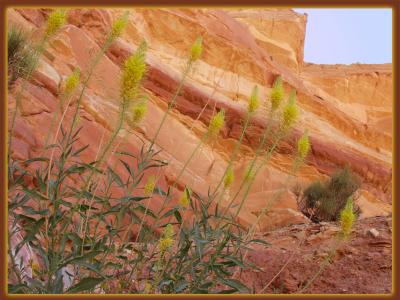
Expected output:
{"points": [[93, 229]]}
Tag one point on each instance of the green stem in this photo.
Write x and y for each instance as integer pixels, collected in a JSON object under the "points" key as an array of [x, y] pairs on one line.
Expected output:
{"points": [[252, 178], [199, 144], [234, 153], [252, 163], [171, 104], [96, 60]]}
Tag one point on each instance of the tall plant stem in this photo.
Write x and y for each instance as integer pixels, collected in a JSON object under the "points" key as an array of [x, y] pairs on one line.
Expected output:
{"points": [[253, 161], [171, 104], [37, 52], [233, 155]]}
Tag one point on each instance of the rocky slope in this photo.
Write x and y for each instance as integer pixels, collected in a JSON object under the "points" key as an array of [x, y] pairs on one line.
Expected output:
{"points": [[347, 109]]}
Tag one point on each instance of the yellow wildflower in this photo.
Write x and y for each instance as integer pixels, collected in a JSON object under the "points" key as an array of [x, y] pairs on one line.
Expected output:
{"points": [[228, 177], [303, 145], [72, 81], [119, 25], [347, 218], [184, 200], [197, 49], [147, 287], [217, 123], [149, 186], [277, 93], [165, 244], [35, 268], [254, 102], [55, 21], [139, 110], [132, 73], [290, 112]]}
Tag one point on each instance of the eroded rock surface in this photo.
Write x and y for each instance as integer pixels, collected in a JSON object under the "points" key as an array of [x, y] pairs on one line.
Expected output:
{"points": [[347, 109]]}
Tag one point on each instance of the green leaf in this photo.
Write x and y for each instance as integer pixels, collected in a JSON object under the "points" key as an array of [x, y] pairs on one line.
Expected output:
{"points": [[17, 288], [233, 283], [258, 241], [178, 216], [116, 177], [85, 284], [29, 161], [169, 213], [234, 260], [82, 258], [132, 198], [79, 151]]}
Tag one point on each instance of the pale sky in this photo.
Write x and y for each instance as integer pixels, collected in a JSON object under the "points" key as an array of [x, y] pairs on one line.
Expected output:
{"points": [[346, 35]]}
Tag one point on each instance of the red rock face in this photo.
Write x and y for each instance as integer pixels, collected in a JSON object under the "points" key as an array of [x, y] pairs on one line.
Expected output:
{"points": [[347, 109]]}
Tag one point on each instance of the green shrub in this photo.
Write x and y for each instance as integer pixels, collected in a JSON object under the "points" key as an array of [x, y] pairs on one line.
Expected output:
{"points": [[20, 57], [324, 201]]}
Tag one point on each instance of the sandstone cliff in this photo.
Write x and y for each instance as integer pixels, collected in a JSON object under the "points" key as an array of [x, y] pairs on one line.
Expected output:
{"points": [[347, 109]]}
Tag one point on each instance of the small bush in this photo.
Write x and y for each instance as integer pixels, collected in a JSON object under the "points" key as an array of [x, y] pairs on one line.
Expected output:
{"points": [[324, 201], [20, 56]]}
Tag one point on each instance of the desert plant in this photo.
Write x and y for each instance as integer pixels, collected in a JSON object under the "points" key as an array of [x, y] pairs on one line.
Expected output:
{"points": [[94, 230], [20, 57], [324, 201], [347, 219]]}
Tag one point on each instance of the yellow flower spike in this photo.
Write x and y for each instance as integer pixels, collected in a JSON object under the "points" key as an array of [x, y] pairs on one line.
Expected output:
{"points": [[277, 93], [254, 102], [147, 287], [55, 21], [303, 145], [184, 200], [132, 73], [347, 218], [290, 112], [35, 268], [139, 111], [119, 25], [197, 49], [165, 244], [168, 231], [217, 123], [72, 81], [149, 186], [228, 177]]}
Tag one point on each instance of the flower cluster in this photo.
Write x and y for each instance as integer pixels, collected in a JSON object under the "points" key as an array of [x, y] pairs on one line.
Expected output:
{"points": [[72, 81], [217, 123], [119, 25], [303, 145], [55, 21], [290, 112], [149, 186], [138, 112], [184, 199], [197, 49], [132, 73], [347, 218], [254, 102], [229, 177], [277, 94], [166, 241]]}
